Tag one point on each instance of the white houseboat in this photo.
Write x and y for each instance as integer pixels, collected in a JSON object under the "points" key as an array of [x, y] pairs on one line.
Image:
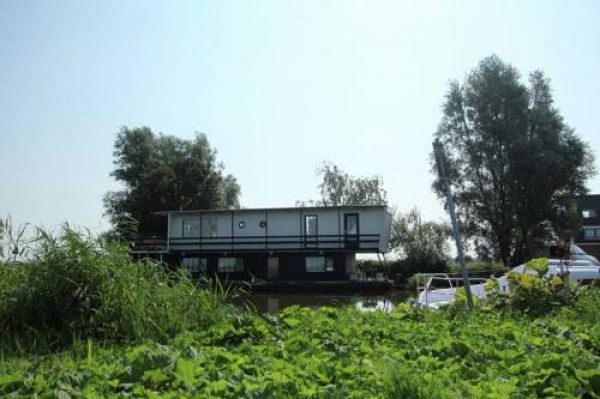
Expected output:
{"points": [[272, 244]]}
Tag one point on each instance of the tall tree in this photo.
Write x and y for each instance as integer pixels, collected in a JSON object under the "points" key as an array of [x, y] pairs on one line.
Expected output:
{"points": [[1, 238], [161, 172], [514, 164], [339, 188]]}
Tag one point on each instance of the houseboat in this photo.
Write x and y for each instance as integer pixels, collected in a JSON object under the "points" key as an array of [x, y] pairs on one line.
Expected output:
{"points": [[272, 245]]}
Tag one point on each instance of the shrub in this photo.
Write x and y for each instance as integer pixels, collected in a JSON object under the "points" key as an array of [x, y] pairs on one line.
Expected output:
{"points": [[410, 266], [533, 294], [478, 266], [74, 288]]}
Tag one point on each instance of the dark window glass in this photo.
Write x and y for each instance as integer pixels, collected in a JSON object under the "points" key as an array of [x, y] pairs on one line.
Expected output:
{"points": [[230, 265], [315, 264]]}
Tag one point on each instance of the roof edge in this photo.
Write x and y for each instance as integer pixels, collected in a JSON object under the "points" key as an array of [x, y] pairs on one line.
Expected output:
{"points": [[221, 210]]}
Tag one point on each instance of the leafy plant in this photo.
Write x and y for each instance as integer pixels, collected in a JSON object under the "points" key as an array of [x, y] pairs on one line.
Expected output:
{"points": [[532, 294]]}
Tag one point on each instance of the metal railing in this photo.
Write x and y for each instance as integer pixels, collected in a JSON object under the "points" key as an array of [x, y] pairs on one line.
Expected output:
{"points": [[150, 245], [260, 242], [425, 280]]}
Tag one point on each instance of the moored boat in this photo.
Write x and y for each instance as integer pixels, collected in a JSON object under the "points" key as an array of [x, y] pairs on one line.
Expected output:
{"points": [[580, 271]]}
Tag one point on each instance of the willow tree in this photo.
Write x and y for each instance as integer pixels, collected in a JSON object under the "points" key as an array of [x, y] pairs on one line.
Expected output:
{"points": [[339, 188], [159, 173], [515, 165]]}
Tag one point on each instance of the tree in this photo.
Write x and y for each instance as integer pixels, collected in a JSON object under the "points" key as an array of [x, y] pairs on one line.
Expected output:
{"points": [[421, 246], [515, 166], [338, 188], [1, 238], [161, 173]]}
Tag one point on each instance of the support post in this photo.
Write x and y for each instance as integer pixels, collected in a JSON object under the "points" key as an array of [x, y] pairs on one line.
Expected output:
{"points": [[440, 160]]}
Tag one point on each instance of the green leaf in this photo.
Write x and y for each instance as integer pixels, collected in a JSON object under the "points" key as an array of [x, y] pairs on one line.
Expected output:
{"points": [[186, 372]]}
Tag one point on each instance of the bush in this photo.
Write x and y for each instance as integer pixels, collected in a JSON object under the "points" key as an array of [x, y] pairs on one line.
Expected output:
{"points": [[75, 288], [478, 266], [407, 267], [533, 294]]}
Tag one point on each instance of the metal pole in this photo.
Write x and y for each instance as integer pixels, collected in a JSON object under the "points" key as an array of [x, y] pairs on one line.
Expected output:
{"points": [[440, 160]]}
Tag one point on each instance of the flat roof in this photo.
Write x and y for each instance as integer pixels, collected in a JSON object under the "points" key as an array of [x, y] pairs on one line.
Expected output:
{"points": [[290, 208]]}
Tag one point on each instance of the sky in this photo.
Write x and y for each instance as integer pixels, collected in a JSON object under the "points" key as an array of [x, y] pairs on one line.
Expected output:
{"points": [[278, 87]]}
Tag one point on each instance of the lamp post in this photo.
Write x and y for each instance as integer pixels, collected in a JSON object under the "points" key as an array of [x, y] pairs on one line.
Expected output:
{"points": [[440, 160]]}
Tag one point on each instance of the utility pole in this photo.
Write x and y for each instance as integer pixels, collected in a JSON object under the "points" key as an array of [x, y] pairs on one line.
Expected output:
{"points": [[440, 160]]}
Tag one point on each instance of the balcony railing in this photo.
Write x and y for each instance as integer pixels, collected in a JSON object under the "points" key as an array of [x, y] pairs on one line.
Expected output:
{"points": [[279, 242], [150, 245]]}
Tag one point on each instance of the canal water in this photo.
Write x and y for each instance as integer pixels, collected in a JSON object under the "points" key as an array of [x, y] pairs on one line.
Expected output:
{"points": [[274, 303]]}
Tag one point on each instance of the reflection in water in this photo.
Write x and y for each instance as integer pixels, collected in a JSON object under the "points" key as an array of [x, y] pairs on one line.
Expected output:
{"points": [[273, 303]]}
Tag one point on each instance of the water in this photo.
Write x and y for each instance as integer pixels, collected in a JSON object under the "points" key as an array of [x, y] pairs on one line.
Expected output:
{"points": [[273, 303]]}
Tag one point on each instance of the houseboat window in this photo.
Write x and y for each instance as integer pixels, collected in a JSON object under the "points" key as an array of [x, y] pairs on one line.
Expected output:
{"points": [[588, 213], [229, 265], [209, 227], [318, 264], [329, 265], [194, 265], [351, 225], [310, 225], [191, 228], [272, 267]]}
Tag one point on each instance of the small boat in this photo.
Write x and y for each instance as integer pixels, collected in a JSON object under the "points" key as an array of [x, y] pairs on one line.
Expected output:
{"points": [[582, 271]]}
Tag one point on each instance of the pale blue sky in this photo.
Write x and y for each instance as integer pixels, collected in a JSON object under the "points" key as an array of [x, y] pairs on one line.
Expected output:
{"points": [[277, 86]]}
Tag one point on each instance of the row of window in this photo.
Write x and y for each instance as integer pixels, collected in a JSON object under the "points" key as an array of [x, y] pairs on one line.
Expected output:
{"points": [[191, 227], [591, 234], [313, 264], [589, 213], [224, 265]]}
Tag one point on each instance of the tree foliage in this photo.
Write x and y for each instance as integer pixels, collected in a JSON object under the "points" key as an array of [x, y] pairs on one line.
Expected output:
{"points": [[339, 188], [421, 246], [515, 166], [160, 173], [1, 238]]}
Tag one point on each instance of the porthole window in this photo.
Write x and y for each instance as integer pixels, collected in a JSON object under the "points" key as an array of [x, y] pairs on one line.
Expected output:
{"points": [[262, 224], [242, 224]]}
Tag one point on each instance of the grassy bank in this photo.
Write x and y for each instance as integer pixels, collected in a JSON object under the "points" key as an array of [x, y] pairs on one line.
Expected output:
{"points": [[336, 353], [81, 320]]}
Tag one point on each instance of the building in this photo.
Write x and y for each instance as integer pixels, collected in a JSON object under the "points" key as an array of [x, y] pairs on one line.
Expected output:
{"points": [[589, 237], [272, 244]]}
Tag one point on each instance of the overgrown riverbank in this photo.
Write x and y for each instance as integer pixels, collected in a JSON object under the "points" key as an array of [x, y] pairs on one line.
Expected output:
{"points": [[336, 353], [134, 330]]}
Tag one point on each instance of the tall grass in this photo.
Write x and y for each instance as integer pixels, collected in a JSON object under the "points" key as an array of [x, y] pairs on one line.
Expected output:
{"points": [[74, 287], [413, 383]]}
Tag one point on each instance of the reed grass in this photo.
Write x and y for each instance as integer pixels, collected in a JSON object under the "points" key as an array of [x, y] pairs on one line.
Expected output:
{"points": [[75, 287]]}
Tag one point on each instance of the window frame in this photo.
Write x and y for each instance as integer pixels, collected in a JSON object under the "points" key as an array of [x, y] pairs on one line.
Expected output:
{"points": [[307, 217], [212, 227], [199, 267], [327, 266], [184, 232], [595, 234], [235, 267]]}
